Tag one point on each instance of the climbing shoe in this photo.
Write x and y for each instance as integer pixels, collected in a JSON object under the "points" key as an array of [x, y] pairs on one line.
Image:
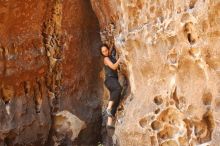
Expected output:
{"points": [[110, 126], [108, 113]]}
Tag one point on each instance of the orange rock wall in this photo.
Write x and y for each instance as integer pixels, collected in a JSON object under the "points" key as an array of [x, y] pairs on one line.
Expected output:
{"points": [[49, 62]]}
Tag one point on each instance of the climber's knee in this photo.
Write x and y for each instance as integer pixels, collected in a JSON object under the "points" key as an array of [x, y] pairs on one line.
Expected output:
{"points": [[115, 95]]}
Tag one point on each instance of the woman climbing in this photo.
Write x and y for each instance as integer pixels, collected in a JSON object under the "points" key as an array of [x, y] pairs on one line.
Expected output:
{"points": [[111, 82]]}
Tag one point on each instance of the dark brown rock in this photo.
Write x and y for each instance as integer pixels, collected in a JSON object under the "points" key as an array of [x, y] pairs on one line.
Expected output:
{"points": [[49, 62]]}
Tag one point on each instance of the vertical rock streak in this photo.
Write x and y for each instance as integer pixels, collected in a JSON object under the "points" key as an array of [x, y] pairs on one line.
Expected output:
{"points": [[52, 35]]}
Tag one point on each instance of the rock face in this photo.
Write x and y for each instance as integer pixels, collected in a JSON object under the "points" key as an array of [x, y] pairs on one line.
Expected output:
{"points": [[50, 86], [171, 57], [49, 62], [67, 124]]}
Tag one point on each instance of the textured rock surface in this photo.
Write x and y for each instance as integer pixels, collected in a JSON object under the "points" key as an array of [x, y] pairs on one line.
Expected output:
{"points": [[171, 56], [50, 63], [82, 86], [67, 124], [23, 66], [47, 48]]}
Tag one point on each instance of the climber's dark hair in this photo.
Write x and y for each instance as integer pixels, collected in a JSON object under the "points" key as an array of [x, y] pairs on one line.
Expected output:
{"points": [[103, 45]]}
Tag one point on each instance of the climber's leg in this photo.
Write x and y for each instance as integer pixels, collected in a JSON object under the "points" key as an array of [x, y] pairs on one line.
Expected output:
{"points": [[109, 109], [116, 100], [114, 106], [115, 93], [109, 121], [109, 85], [110, 103]]}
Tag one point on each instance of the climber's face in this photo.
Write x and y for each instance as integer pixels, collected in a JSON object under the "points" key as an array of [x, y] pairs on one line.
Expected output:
{"points": [[104, 51]]}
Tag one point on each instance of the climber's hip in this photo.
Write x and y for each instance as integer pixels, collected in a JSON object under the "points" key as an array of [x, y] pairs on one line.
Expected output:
{"points": [[114, 87]]}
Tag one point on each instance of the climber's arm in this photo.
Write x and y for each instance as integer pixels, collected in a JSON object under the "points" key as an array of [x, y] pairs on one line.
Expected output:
{"points": [[108, 62]]}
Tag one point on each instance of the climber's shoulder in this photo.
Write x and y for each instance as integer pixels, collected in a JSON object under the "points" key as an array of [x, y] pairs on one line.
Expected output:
{"points": [[106, 60]]}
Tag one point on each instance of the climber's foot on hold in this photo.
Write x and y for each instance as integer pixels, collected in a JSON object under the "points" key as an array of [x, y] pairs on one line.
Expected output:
{"points": [[110, 130], [110, 126], [108, 113]]}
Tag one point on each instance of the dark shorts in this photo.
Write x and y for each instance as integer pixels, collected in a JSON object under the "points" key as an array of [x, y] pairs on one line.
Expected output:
{"points": [[115, 92]]}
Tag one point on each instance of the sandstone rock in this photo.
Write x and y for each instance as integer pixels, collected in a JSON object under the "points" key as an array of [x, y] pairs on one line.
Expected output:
{"points": [[66, 123], [49, 62], [7, 93], [156, 125], [171, 57]]}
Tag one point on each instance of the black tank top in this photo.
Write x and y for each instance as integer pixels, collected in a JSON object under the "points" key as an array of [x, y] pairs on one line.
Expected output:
{"points": [[110, 72]]}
